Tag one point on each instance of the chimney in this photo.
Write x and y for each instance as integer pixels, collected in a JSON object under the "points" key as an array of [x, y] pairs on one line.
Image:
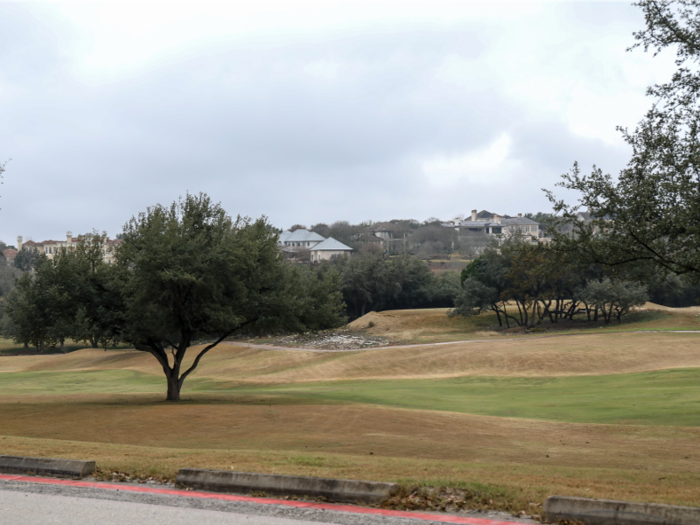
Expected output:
{"points": [[520, 215], [473, 215], [496, 218], [69, 237], [19, 243]]}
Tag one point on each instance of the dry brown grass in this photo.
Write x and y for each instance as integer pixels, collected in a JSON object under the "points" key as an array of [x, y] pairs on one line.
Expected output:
{"points": [[139, 434], [590, 354], [433, 325]]}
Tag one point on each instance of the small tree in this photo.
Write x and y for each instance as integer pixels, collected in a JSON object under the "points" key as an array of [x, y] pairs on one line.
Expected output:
{"points": [[474, 299], [614, 299]]}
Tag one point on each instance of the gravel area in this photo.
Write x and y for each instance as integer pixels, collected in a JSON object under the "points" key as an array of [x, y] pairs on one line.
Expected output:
{"points": [[245, 508], [331, 340]]}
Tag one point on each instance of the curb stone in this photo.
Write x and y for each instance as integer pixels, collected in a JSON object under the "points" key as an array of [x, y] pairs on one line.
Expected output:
{"points": [[343, 490], [59, 468], [610, 512]]}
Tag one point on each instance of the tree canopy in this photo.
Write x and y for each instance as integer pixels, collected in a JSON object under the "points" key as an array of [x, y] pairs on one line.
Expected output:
{"points": [[185, 275], [190, 273], [651, 211]]}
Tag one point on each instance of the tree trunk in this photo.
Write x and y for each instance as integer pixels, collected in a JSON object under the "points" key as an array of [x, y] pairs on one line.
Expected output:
{"points": [[498, 314], [173, 388]]}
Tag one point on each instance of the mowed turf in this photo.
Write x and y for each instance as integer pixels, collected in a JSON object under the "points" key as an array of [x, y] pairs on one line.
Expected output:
{"points": [[599, 415], [667, 397]]}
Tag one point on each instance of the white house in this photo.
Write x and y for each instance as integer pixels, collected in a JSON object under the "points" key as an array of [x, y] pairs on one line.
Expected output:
{"points": [[329, 249], [299, 240], [486, 224]]}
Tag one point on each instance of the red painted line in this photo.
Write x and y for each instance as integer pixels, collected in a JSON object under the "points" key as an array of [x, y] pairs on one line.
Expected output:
{"points": [[265, 501]]}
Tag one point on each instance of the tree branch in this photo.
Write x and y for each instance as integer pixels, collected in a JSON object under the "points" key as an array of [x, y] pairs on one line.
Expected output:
{"points": [[209, 347]]}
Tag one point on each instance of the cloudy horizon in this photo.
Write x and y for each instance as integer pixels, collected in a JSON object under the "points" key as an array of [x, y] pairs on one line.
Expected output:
{"points": [[307, 112]]}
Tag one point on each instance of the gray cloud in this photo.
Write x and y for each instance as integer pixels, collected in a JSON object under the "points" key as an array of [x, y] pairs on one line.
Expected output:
{"points": [[333, 125]]}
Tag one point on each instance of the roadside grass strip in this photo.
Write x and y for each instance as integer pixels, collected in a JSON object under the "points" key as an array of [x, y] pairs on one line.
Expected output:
{"points": [[262, 501]]}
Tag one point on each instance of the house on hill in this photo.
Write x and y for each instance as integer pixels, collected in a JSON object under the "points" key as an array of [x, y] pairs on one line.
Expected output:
{"points": [[9, 254], [299, 240], [392, 235], [300, 243], [485, 224], [329, 249], [50, 248]]}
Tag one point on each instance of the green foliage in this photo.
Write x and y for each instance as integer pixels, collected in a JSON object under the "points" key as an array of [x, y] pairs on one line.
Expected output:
{"points": [[184, 274], [673, 290], [474, 298], [319, 301], [445, 287], [373, 282], [472, 269], [190, 273], [614, 298], [649, 213], [66, 297], [27, 259], [543, 282]]}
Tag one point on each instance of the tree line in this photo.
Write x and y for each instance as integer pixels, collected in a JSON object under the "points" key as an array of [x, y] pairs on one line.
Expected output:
{"points": [[526, 284], [185, 275]]}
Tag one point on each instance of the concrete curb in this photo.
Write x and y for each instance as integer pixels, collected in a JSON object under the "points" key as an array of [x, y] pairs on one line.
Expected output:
{"points": [[344, 490], [609, 512], [58, 468]]}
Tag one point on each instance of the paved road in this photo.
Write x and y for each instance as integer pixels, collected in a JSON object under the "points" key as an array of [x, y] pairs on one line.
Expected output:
{"points": [[29, 503], [23, 508]]}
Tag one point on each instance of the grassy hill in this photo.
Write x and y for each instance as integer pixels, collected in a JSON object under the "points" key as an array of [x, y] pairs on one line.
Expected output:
{"points": [[602, 413]]}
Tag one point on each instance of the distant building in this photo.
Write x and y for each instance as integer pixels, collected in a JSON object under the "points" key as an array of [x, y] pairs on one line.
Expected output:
{"points": [[392, 235], [50, 248], [300, 243], [299, 240], [484, 225], [10, 254], [329, 249]]}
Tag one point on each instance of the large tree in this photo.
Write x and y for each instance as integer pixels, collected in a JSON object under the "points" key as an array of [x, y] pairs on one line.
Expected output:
{"points": [[651, 211], [190, 273]]}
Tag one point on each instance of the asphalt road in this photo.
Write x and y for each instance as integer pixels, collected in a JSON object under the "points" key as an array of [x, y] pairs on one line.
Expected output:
{"points": [[24, 503], [37, 509]]}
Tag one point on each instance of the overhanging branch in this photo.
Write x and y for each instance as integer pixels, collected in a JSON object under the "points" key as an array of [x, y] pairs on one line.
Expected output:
{"points": [[209, 347]]}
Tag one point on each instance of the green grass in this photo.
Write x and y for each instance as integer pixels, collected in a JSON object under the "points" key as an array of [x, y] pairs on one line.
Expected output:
{"points": [[670, 397], [79, 382]]}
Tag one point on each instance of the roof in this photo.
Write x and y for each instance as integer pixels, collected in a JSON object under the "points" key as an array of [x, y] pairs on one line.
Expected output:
{"points": [[501, 222], [302, 235], [485, 215], [329, 245], [518, 220]]}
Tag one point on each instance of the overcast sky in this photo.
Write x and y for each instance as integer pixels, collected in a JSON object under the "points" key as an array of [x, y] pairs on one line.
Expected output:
{"points": [[308, 112]]}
